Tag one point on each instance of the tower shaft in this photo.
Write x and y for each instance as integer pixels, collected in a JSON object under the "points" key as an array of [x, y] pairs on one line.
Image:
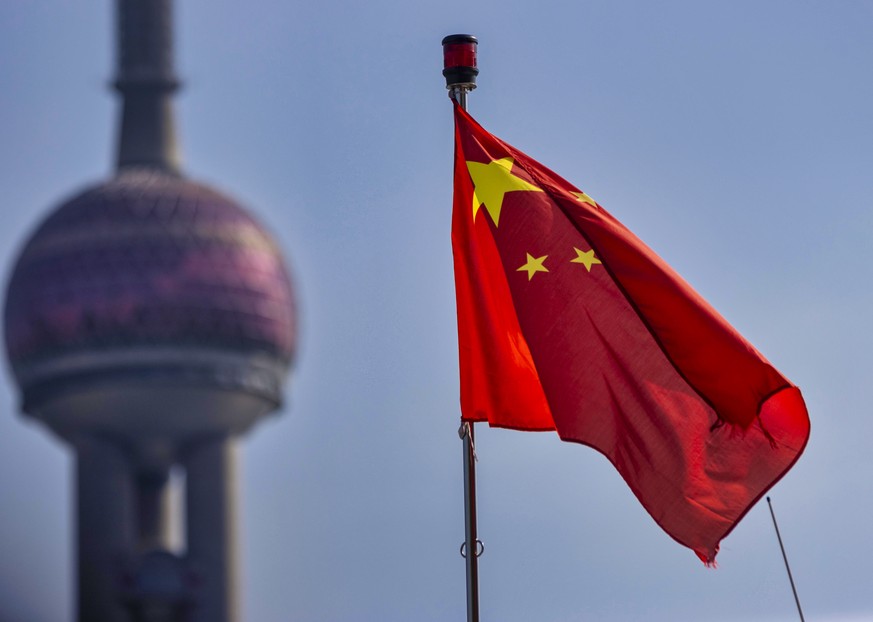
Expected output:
{"points": [[146, 81]]}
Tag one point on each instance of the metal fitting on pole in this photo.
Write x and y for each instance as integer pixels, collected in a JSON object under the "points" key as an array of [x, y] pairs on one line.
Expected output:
{"points": [[459, 65]]}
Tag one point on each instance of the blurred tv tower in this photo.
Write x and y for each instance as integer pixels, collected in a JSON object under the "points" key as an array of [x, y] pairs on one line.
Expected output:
{"points": [[150, 322]]}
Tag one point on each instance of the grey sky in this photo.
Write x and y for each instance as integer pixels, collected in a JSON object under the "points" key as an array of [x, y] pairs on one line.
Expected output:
{"points": [[736, 139]]}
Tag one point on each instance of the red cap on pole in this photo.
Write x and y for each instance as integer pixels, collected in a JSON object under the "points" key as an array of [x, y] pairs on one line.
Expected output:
{"points": [[459, 61]]}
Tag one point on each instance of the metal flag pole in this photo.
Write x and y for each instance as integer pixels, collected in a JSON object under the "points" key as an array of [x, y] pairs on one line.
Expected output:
{"points": [[460, 71], [471, 548], [785, 559]]}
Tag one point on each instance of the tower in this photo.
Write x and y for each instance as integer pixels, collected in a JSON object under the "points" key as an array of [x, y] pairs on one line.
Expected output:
{"points": [[149, 323]]}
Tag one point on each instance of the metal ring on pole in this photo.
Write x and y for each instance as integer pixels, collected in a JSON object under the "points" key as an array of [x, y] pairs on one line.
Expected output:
{"points": [[480, 548]]}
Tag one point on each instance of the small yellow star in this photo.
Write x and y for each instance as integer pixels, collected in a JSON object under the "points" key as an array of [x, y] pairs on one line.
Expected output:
{"points": [[584, 198], [491, 182], [533, 265], [587, 258]]}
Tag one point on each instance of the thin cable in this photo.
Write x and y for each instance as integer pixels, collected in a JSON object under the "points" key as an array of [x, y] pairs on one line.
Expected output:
{"points": [[785, 557]]}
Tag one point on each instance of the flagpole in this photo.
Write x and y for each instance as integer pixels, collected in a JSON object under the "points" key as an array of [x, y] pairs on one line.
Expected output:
{"points": [[470, 548], [460, 71]]}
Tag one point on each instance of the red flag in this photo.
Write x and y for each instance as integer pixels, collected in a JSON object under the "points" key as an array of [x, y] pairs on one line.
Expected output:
{"points": [[568, 322]]}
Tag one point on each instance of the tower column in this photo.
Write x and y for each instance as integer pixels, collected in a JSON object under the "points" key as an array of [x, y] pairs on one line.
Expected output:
{"points": [[104, 512], [211, 493], [153, 510]]}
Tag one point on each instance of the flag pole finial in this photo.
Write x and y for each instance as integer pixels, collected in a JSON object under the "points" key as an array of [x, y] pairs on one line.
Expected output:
{"points": [[459, 66]]}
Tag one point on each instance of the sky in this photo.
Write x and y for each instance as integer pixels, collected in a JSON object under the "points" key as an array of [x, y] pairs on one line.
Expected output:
{"points": [[736, 139]]}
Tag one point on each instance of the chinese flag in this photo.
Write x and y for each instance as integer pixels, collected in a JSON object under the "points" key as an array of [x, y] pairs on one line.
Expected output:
{"points": [[568, 322]]}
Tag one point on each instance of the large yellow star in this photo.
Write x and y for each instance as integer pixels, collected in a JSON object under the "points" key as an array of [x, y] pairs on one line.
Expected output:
{"points": [[587, 258], [533, 265], [491, 183]]}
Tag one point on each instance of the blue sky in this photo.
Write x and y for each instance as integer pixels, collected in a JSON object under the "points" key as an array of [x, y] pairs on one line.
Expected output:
{"points": [[734, 138]]}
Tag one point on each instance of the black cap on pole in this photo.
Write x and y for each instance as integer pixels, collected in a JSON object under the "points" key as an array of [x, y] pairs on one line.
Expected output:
{"points": [[459, 61]]}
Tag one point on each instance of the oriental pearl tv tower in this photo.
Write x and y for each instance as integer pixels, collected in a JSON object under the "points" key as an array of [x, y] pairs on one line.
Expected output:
{"points": [[149, 323]]}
